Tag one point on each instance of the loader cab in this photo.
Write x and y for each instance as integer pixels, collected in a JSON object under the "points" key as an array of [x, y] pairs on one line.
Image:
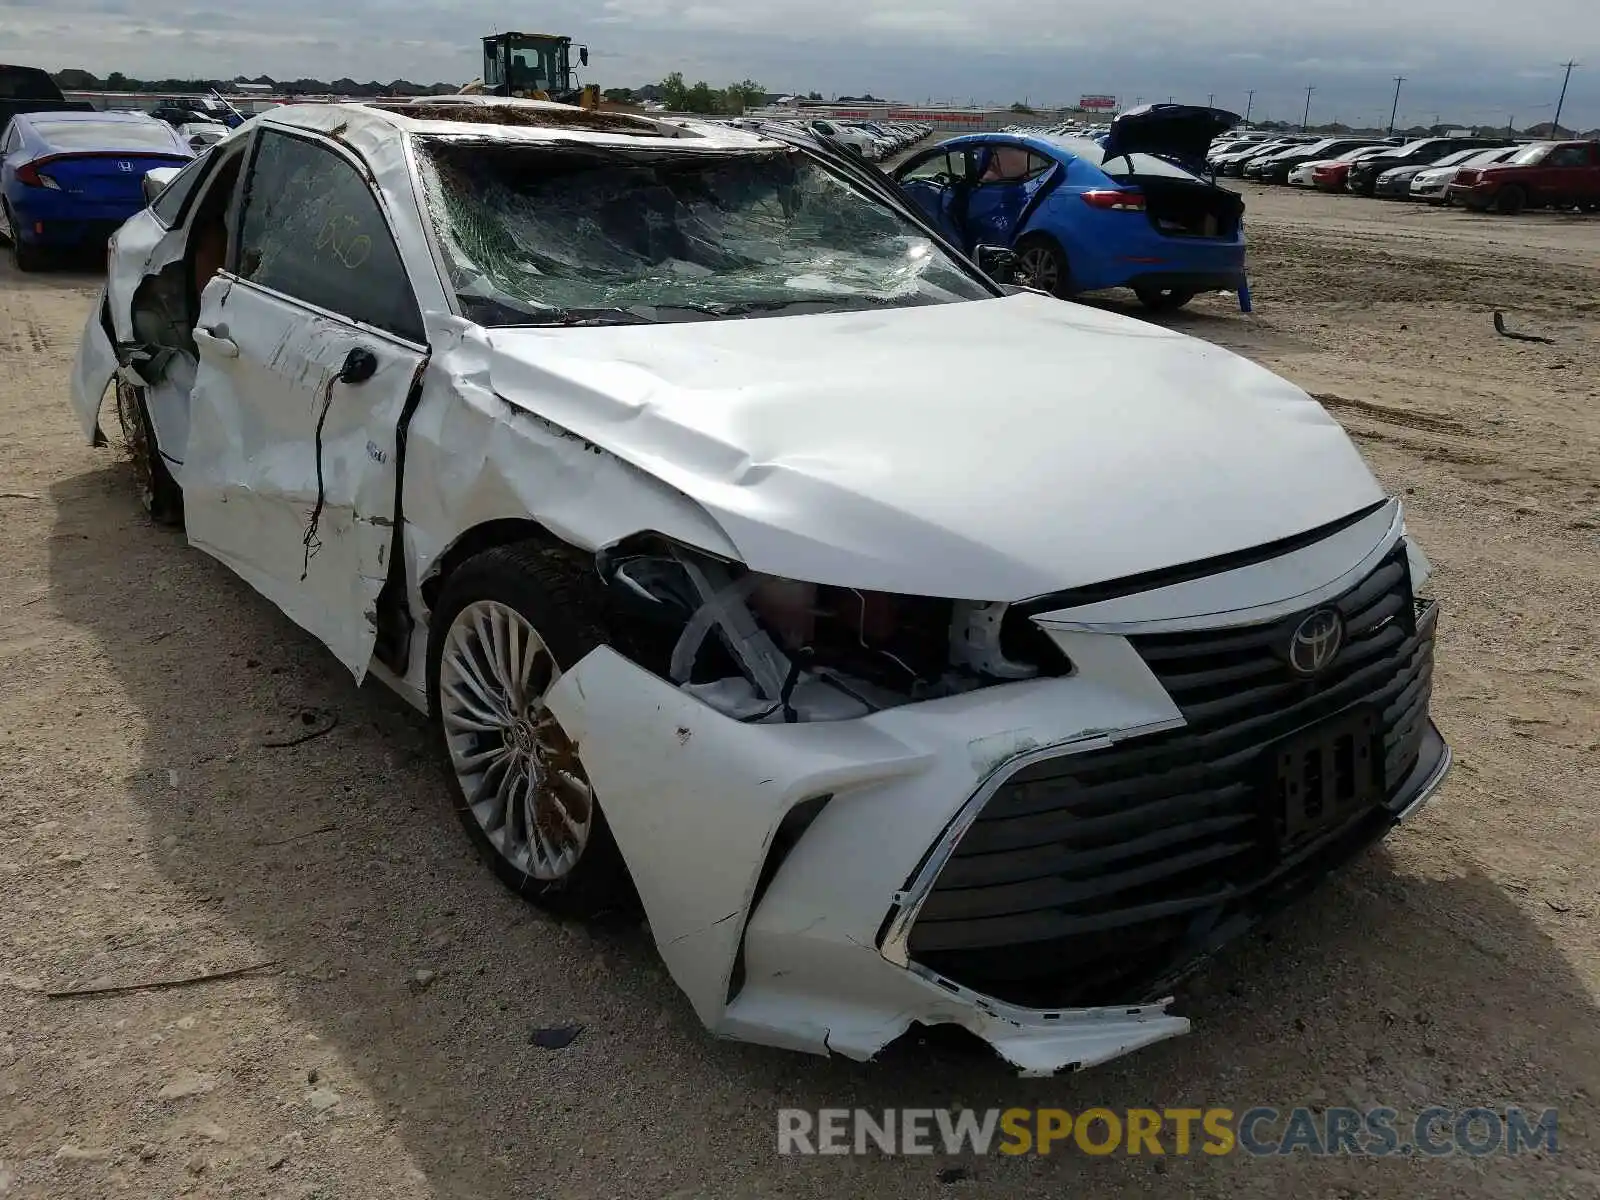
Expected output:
{"points": [[530, 64]]}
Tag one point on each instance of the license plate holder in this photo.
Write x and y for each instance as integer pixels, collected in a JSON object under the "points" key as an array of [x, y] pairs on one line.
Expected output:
{"points": [[1324, 775]]}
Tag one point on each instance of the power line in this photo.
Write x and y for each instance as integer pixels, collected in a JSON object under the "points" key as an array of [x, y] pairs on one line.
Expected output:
{"points": [[1556, 124], [1398, 80]]}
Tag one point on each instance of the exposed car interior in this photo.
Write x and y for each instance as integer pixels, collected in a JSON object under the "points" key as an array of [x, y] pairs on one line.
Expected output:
{"points": [[166, 307]]}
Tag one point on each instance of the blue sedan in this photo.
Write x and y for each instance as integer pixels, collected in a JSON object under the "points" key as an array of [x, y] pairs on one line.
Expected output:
{"points": [[70, 179], [1134, 212]]}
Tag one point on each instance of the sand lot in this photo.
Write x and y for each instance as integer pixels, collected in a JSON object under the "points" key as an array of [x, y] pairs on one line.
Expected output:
{"points": [[146, 832]]}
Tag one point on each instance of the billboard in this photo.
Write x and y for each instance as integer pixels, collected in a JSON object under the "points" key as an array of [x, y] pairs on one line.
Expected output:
{"points": [[1097, 102]]}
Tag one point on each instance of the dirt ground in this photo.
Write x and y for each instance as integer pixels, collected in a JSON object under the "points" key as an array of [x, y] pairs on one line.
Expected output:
{"points": [[146, 832]]}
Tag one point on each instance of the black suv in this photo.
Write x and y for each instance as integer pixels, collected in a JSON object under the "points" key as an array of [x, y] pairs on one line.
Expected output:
{"points": [[1363, 177]]}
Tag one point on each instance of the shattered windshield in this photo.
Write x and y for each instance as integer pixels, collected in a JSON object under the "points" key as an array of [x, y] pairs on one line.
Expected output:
{"points": [[567, 235]]}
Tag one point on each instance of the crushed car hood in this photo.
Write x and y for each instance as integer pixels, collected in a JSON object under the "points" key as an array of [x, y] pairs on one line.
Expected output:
{"points": [[1181, 131], [994, 449]]}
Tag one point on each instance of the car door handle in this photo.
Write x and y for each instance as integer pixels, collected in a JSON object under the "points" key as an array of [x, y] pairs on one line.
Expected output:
{"points": [[217, 338]]}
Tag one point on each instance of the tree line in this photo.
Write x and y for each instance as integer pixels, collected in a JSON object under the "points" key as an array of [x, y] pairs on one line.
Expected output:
{"points": [[74, 80], [700, 97]]}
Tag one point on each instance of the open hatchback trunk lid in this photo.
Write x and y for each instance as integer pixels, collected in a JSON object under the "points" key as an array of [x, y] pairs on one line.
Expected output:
{"points": [[1183, 132]]}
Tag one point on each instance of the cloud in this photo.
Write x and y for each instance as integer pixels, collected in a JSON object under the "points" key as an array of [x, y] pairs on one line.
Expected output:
{"points": [[1462, 58]]}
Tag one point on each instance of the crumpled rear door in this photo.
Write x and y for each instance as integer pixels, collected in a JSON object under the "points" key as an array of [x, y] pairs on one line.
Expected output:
{"points": [[998, 210]]}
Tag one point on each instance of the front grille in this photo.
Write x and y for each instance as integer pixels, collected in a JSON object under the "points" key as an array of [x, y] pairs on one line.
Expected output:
{"points": [[1090, 878]]}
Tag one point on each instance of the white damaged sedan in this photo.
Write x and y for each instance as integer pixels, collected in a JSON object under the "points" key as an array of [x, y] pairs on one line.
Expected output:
{"points": [[915, 650]]}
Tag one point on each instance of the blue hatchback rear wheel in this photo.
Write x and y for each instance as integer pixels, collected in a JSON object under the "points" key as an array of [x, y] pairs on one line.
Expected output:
{"points": [[1042, 264], [25, 255]]}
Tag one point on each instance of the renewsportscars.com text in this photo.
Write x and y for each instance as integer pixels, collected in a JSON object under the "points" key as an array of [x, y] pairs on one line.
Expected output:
{"points": [[1259, 1131]]}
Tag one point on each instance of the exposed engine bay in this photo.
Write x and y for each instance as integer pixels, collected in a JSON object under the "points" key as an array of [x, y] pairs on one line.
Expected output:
{"points": [[764, 649]]}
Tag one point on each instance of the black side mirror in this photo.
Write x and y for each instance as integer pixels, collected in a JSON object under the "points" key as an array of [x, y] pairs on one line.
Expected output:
{"points": [[583, 56], [360, 365], [999, 263]]}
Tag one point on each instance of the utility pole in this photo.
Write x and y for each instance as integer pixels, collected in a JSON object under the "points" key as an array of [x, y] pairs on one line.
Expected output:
{"points": [[1249, 103], [1306, 119], [1395, 108], [1556, 124], [1211, 100]]}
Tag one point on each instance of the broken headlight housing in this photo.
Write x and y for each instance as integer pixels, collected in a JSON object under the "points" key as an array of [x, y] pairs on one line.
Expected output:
{"points": [[765, 648]]}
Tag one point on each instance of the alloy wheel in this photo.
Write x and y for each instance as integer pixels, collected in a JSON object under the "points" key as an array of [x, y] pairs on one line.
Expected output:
{"points": [[518, 769], [1037, 268]]}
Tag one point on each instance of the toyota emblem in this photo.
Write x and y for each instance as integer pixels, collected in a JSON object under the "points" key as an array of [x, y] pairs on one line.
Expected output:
{"points": [[1316, 642]]}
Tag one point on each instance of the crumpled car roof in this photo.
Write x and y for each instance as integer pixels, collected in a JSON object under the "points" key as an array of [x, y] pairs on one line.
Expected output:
{"points": [[518, 120]]}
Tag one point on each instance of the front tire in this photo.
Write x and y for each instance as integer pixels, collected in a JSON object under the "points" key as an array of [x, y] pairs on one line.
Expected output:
{"points": [[1158, 299], [1509, 200], [507, 624], [159, 493]]}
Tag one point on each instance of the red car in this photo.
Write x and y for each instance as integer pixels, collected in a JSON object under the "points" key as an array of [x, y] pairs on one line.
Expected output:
{"points": [[1330, 175], [1553, 174]]}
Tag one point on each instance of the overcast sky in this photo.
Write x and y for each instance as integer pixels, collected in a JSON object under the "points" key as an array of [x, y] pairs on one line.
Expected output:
{"points": [[1470, 60]]}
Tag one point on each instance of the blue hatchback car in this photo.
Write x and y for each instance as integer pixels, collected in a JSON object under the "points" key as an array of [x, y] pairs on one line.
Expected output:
{"points": [[71, 179], [1134, 211]]}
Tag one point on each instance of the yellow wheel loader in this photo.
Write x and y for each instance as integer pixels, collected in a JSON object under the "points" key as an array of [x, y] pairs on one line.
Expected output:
{"points": [[535, 66]]}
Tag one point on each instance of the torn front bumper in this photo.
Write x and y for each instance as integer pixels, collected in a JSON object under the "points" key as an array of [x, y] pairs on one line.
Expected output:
{"points": [[788, 950], [806, 936]]}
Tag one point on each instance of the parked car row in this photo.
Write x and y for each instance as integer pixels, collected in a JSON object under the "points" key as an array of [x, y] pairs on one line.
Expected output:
{"points": [[1227, 156], [650, 480], [871, 140], [1277, 166], [1062, 129], [1496, 174]]}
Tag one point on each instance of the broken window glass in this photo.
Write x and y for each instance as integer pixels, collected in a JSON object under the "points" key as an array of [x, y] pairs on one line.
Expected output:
{"points": [[312, 229], [540, 234]]}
